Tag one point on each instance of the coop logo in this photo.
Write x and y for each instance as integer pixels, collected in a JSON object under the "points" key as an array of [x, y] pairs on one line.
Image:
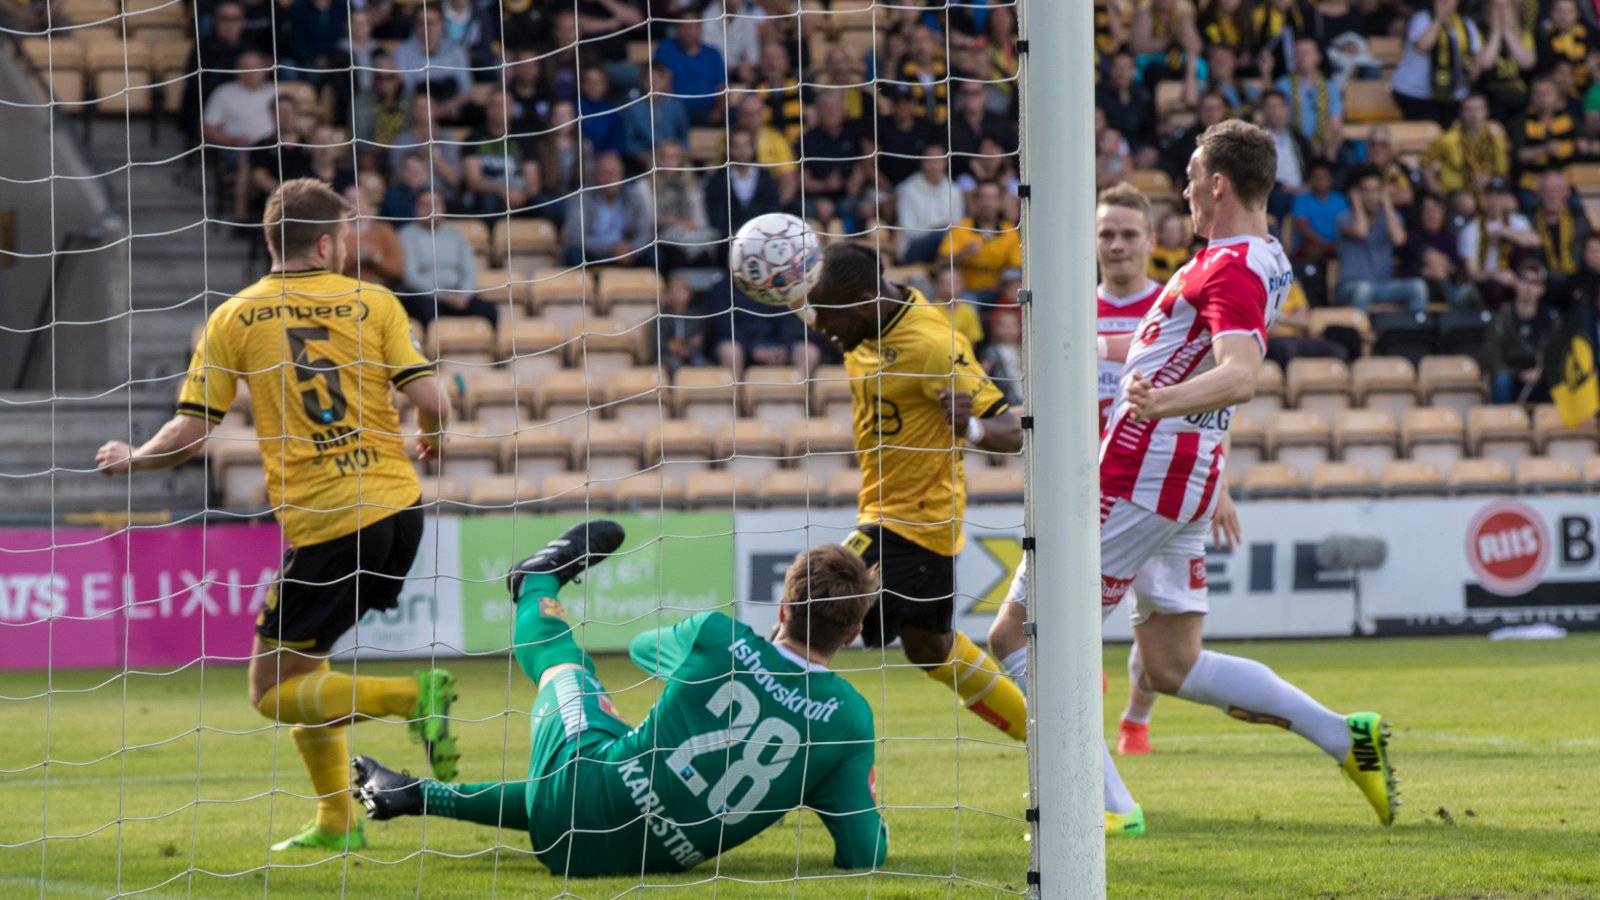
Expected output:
{"points": [[1508, 547], [1150, 333]]}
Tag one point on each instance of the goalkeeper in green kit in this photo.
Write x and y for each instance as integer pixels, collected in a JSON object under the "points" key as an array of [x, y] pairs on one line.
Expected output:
{"points": [[745, 729]]}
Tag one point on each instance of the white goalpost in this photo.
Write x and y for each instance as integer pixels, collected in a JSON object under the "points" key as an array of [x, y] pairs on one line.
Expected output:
{"points": [[1065, 737]]}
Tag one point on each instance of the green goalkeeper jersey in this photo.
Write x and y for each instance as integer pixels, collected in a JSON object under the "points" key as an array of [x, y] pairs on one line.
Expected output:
{"points": [[743, 733]]}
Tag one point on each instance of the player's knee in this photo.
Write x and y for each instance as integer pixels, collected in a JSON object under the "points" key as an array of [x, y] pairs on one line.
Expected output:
{"points": [[1165, 676], [926, 648]]}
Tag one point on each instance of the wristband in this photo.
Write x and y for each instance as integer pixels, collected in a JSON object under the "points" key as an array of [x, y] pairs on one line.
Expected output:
{"points": [[974, 430], [1101, 347]]}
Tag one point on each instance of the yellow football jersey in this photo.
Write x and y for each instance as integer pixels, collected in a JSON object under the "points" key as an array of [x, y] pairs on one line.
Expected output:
{"points": [[319, 353], [913, 479]]}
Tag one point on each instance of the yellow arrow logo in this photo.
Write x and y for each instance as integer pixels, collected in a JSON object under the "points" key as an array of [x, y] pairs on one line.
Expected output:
{"points": [[1006, 551]]}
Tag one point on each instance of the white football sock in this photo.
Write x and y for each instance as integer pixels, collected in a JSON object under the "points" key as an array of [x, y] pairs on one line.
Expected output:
{"points": [[1118, 800], [1139, 702], [1016, 665], [1248, 690]]}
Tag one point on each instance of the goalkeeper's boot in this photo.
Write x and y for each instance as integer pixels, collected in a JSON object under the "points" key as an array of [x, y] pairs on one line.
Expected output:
{"points": [[1133, 738], [314, 838], [1368, 764], [1129, 824], [430, 721], [579, 547], [384, 792]]}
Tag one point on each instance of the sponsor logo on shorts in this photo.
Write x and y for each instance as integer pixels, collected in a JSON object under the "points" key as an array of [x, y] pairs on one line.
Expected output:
{"points": [[1112, 589], [1197, 574], [1508, 547]]}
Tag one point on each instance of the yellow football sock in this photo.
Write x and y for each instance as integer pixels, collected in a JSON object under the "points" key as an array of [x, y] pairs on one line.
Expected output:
{"points": [[326, 755], [328, 696], [983, 687]]}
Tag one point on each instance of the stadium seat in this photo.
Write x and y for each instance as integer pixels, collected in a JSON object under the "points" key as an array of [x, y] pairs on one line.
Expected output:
{"points": [[440, 494], [1365, 436], [1369, 100], [602, 346], [1155, 184], [678, 445], [1461, 332], [1480, 476], [1268, 398], [564, 296], [1499, 432], [1412, 138], [498, 286], [720, 489], [636, 395], [470, 452], [843, 488], [749, 446], [563, 393], [830, 392], [1299, 438], [1452, 381], [1554, 438], [536, 450], [1318, 384], [1431, 434], [1324, 317], [573, 491], [776, 394], [705, 393], [497, 493], [606, 449], [169, 67], [791, 487], [707, 145], [1247, 440], [474, 230], [1169, 100], [821, 445], [991, 485], [1411, 477], [1407, 334], [1583, 177], [496, 398], [1384, 383], [1386, 49], [633, 287], [648, 490], [1269, 480], [525, 245], [1549, 475], [468, 339], [1591, 473], [534, 347], [1343, 479], [86, 12], [307, 100]]}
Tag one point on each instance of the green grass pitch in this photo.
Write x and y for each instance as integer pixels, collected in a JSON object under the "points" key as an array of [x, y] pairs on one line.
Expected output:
{"points": [[1499, 746]]}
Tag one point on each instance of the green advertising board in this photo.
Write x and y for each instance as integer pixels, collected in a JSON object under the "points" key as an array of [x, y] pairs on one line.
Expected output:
{"points": [[673, 566]]}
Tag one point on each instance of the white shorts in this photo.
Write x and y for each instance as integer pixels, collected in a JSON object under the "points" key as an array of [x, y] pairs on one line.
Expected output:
{"points": [[1163, 561]]}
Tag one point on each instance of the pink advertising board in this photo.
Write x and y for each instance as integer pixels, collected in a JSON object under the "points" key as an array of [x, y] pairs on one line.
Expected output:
{"points": [[143, 598]]}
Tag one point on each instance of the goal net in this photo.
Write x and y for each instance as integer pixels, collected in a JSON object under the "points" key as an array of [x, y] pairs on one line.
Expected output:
{"points": [[548, 190]]}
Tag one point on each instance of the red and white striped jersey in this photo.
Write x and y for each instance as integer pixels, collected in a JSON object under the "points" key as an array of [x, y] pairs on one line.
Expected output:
{"points": [[1234, 286], [1119, 315]]}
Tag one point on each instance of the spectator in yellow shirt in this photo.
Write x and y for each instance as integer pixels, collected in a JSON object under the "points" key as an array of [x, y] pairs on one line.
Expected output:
{"points": [[1473, 151], [983, 246]]}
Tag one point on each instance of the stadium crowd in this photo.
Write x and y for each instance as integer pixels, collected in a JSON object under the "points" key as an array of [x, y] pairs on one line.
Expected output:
{"points": [[1437, 180]]}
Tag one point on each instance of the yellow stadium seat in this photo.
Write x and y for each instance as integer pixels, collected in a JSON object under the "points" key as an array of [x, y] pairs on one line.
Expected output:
{"points": [[1432, 434], [1300, 438], [749, 446], [1556, 439], [1453, 381], [822, 445], [636, 286], [1469, 476], [678, 445], [1365, 436], [605, 449], [460, 339], [1384, 383], [1247, 440], [637, 395], [1549, 475], [1273, 479], [720, 489], [1500, 432], [1343, 479], [564, 393], [1318, 384], [1404, 477], [497, 493], [986, 484], [1156, 184], [776, 394], [470, 452], [830, 391], [843, 488], [791, 487], [526, 245], [646, 491], [561, 295], [537, 449], [600, 347], [532, 346], [1591, 473], [705, 393], [573, 491], [1369, 100], [1324, 317], [1268, 398]]}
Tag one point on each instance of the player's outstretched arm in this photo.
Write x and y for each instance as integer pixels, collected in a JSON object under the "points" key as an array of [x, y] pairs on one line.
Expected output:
{"points": [[433, 414], [850, 813], [177, 441], [1233, 381]]}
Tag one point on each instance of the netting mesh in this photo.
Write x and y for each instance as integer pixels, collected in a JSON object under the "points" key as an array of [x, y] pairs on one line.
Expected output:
{"points": [[548, 190]]}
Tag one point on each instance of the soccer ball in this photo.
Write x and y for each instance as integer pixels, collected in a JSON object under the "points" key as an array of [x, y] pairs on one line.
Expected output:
{"points": [[776, 259]]}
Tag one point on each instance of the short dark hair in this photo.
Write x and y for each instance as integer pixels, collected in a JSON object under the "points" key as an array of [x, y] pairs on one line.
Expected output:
{"points": [[827, 591], [1362, 173], [1269, 93], [1244, 154], [849, 271]]}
